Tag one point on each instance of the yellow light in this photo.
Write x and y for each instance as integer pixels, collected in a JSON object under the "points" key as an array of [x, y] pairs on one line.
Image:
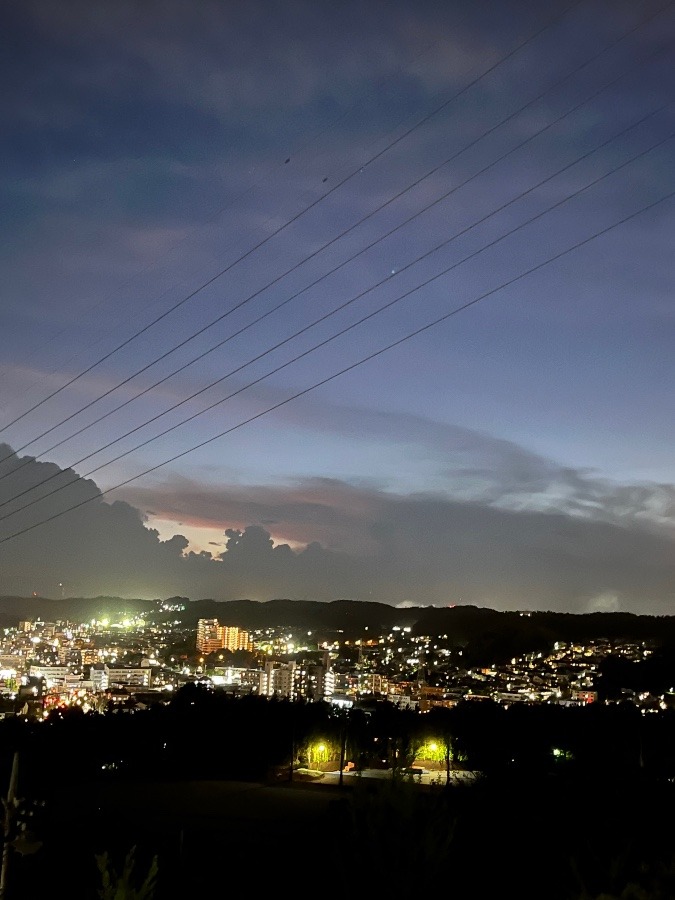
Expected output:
{"points": [[433, 747]]}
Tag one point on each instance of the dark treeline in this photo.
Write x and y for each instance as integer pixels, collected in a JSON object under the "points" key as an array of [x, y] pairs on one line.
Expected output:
{"points": [[204, 733], [573, 803]]}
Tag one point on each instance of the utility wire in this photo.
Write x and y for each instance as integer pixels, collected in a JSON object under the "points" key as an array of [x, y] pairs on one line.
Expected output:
{"points": [[346, 369], [251, 187], [325, 246], [356, 324], [302, 212], [339, 308]]}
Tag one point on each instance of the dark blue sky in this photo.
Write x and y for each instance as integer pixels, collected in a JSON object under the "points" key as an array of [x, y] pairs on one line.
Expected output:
{"points": [[239, 171]]}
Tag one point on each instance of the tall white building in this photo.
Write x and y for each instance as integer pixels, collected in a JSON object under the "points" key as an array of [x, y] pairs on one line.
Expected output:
{"points": [[312, 681], [278, 678], [98, 675]]}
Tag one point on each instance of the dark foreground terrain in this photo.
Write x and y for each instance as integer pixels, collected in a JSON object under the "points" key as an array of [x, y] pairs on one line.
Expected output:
{"points": [[542, 837]]}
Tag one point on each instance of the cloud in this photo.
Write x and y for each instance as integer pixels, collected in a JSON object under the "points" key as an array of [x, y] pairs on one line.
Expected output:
{"points": [[463, 463], [424, 549], [216, 56], [607, 602]]}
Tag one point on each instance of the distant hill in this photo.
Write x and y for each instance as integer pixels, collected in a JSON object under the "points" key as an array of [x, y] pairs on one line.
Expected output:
{"points": [[352, 617], [488, 634], [73, 609], [483, 634]]}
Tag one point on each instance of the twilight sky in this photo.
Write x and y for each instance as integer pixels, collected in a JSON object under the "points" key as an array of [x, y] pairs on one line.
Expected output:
{"points": [[319, 300]]}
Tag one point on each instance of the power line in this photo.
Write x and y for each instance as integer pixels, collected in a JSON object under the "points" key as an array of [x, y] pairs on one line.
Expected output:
{"points": [[330, 243], [346, 369], [354, 365], [339, 308], [294, 218], [279, 166]]}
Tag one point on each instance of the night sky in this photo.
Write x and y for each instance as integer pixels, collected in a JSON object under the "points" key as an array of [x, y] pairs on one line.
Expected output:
{"points": [[367, 300]]}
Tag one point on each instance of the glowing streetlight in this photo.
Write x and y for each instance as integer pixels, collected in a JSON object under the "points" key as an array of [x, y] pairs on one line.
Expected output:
{"points": [[317, 753]]}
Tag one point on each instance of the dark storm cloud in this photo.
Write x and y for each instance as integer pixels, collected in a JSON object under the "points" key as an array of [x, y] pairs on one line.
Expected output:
{"points": [[423, 548]]}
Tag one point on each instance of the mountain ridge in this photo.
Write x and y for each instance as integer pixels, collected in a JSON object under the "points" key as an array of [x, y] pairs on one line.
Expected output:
{"points": [[357, 619]]}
